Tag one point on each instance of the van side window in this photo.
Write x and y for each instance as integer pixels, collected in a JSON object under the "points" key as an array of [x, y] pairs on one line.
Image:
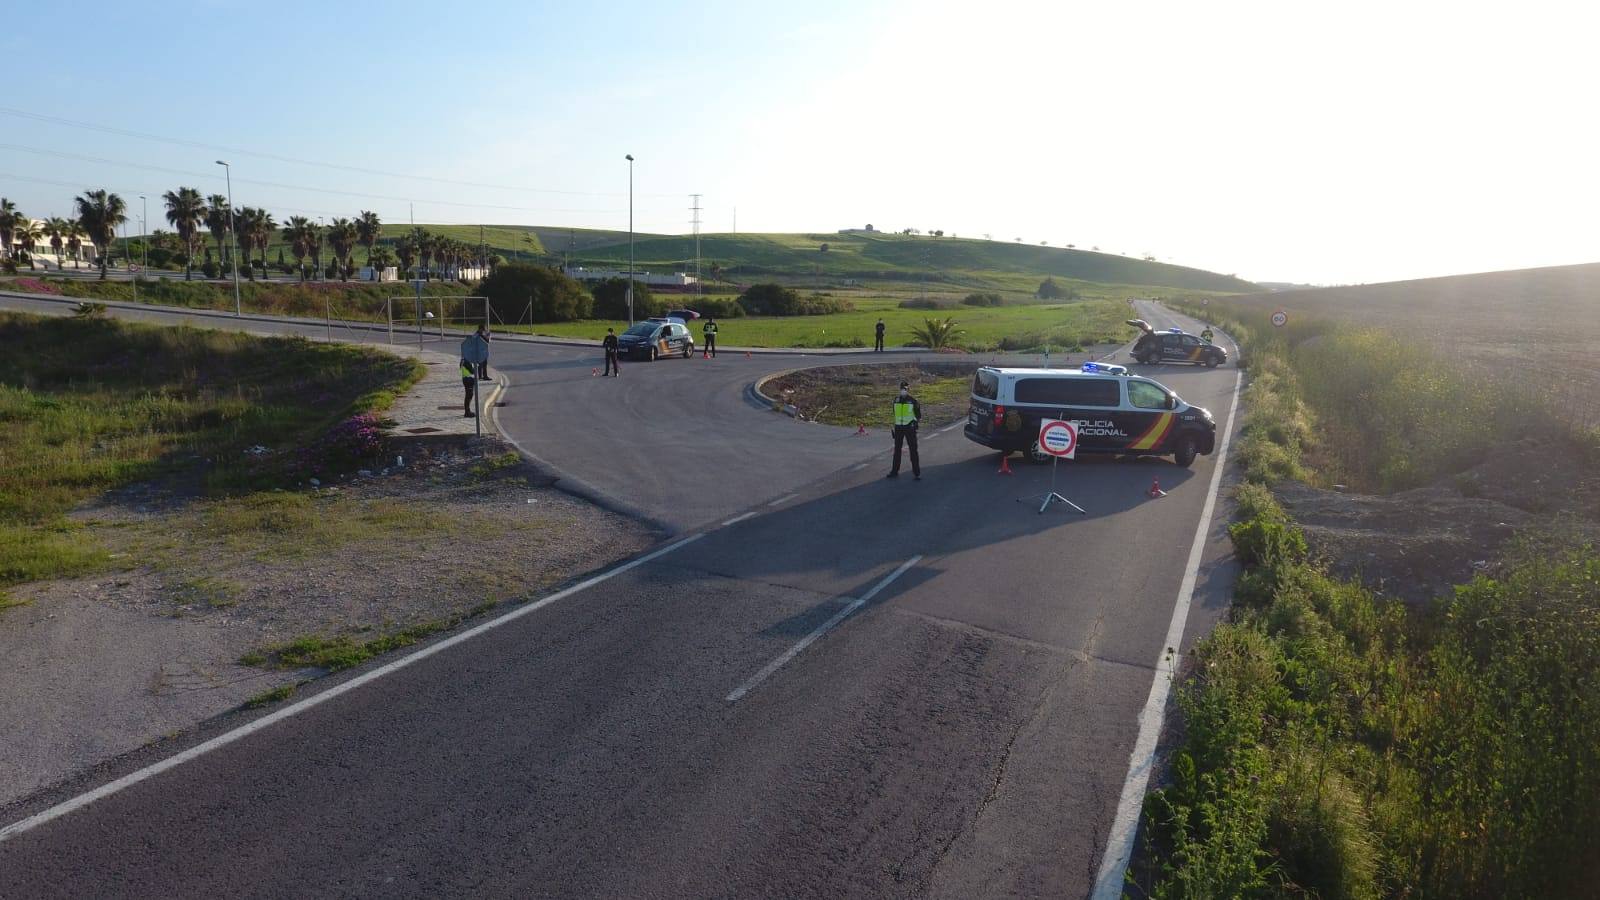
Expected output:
{"points": [[1069, 391], [1145, 395], [986, 385]]}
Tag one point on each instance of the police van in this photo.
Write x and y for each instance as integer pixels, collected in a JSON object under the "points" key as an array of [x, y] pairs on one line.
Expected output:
{"points": [[1126, 414]]}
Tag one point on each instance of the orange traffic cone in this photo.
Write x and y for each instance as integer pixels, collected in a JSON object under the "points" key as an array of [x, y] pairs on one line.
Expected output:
{"points": [[1155, 489], [1005, 464], [747, 354], [594, 373], [705, 354], [861, 429]]}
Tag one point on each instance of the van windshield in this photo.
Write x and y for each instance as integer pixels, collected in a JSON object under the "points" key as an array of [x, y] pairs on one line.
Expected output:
{"points": [[986, 385]]}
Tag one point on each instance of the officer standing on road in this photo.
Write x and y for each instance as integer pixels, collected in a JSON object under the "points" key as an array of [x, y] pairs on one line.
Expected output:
{"points": [[877, 345], [610, 345], [907, 412], [710, 331], [483, 367], [1206, 335], [469, 380]]}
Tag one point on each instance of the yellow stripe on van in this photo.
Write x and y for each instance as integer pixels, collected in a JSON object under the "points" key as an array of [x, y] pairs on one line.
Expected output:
{"points": [[1154, 435]]}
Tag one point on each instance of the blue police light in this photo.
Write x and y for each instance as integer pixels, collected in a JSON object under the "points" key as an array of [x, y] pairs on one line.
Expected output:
{"points": [[1175, 330], [1091, 367]]}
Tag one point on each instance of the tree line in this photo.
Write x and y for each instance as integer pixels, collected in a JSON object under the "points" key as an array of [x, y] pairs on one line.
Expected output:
{"points": [[193, 217]]}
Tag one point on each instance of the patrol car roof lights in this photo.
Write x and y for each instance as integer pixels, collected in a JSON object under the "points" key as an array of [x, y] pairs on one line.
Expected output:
{"points": [[1091, 367], [1175, 330]]}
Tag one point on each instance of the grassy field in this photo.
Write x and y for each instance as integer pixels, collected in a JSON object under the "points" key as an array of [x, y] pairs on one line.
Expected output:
{"points": [[1337, 743], [1062, 325], [355, 300], [91, 405], [1491, 325]]}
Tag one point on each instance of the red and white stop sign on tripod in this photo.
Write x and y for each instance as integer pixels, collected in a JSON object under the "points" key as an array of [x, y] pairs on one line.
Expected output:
{"points": [[1059, 438]]}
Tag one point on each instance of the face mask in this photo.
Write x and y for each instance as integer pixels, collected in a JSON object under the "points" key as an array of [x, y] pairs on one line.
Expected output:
{"points": [[904, 393]]}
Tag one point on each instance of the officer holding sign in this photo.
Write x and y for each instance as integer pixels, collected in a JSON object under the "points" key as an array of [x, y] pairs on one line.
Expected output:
{"points": [[907, 412]]}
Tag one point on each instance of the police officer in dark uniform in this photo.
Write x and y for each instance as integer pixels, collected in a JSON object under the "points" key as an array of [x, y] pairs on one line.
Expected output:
{"points": [[907, 412], [710, 332], [877, 344], [1206, 335], [610, 345]]}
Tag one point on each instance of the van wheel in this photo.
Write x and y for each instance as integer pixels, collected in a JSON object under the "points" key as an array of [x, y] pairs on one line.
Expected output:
{"points": [[1037, 455], [1185, 452]]}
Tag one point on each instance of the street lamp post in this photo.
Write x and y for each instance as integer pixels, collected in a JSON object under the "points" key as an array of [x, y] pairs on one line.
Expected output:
{"points": [[127, 259], [233, 232], [630, 238], [144, 235]]}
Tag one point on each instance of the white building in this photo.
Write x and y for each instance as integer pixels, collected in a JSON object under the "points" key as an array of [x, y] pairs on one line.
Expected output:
{"points": [[676, 279]]}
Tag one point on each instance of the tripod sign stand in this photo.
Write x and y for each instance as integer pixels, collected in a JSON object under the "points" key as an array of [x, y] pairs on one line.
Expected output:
{"points": [[1059, 438]]}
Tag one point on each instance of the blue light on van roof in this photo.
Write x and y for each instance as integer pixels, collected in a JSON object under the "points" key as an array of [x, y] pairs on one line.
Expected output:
{"points": [[1091, 367]]}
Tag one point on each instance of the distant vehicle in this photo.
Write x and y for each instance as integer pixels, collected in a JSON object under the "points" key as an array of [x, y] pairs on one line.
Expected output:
{"points": [[653, 339], [1174, 345], [1127, 414], [687, 315]]}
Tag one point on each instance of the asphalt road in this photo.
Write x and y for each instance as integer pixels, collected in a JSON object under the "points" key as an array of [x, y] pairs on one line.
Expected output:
{"points": [[963, 728]]}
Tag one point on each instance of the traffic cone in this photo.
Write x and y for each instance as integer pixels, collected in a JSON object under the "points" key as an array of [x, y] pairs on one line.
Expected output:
{"points": [[861, 429], [594, 373], [1005, 464], [1155, 489], [747, 354], [705, 353]]}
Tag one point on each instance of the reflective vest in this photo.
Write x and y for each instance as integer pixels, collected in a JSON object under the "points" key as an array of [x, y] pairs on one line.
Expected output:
{"points": [[710, 328], [903, 413], [466, 370]]}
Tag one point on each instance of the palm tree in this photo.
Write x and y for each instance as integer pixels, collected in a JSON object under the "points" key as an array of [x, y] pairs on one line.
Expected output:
{"points": [[9, 219], [368, 229], [255, 230], [74, 237], [219, 221], [314, 245], [427, 246], [56, 229], [296, 233], [185, 209], [100, 213], [342, 237], [380, 258], [936, 334], [407, 248], [28, 235]]}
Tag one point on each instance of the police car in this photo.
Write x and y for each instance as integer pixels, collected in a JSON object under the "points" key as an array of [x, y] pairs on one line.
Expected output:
{"points": [[655, 338], [1124, 414], [1174, 345]]}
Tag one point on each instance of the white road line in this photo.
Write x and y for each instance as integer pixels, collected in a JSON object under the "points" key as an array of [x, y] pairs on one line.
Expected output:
{"points": [[223, 740], [822, 629], [737, 519], [782, 500], [1119, 845], [950, 427], [859, 466]]}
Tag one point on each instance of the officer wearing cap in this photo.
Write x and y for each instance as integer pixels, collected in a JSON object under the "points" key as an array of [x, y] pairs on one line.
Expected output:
{"points": [[907, 412]]}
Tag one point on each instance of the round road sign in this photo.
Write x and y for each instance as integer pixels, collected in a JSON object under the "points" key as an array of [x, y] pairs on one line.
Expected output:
{"points": [[1205, 301], [1280, 319], [1058, 438]]}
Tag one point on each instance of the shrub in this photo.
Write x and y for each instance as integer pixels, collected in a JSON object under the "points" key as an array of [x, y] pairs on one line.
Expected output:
{"points": [[718, 307], [920, 303], [982, 300], [555, 297], [611, 300], [210, 269], [777, 300]]}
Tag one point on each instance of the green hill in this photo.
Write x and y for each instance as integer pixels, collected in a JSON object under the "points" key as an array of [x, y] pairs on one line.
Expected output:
{"points": [[857, 256]]}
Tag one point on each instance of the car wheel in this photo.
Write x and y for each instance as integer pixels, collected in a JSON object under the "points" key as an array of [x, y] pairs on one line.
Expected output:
{"points": [[688, 351], [1211, 362], [1185, 452], [654, 354], [1037, 455]]}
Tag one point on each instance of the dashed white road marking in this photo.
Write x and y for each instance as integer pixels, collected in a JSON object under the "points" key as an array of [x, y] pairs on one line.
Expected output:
{"points": [[294, 709], [859, 466], [1119, 845], [737, 519], [782, 500], [821, 630]]}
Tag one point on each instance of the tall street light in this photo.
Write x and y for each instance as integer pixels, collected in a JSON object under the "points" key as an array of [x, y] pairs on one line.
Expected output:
{"points": [[630, 238], [233, 231], [144, 229]]}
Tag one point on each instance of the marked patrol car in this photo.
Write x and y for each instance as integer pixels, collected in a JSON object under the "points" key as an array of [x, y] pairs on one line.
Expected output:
{"points": [[1126, 414], [1174, 345]]}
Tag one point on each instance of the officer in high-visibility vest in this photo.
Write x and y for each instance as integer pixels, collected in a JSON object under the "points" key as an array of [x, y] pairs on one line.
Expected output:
{"points": [[907, 412], [469, 380], [1206, 335], [710, 332]]}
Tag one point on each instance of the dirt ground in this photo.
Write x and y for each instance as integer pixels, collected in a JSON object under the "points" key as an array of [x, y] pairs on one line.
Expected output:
{"points": [[1416, 544], [102, 665]]}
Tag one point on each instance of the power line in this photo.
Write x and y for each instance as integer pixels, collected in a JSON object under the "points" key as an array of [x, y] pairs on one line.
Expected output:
{"points": [[239, 151]]}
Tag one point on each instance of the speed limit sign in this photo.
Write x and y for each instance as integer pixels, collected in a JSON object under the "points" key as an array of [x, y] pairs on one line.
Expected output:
{"points": [[1280, 319]]}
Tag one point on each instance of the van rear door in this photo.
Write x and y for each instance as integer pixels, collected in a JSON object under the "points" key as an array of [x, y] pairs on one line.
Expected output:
{"points": [[985, 391]]}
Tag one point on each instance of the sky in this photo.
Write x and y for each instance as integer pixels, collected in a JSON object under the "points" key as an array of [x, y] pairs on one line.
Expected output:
{"points": [[1312, 143]]}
